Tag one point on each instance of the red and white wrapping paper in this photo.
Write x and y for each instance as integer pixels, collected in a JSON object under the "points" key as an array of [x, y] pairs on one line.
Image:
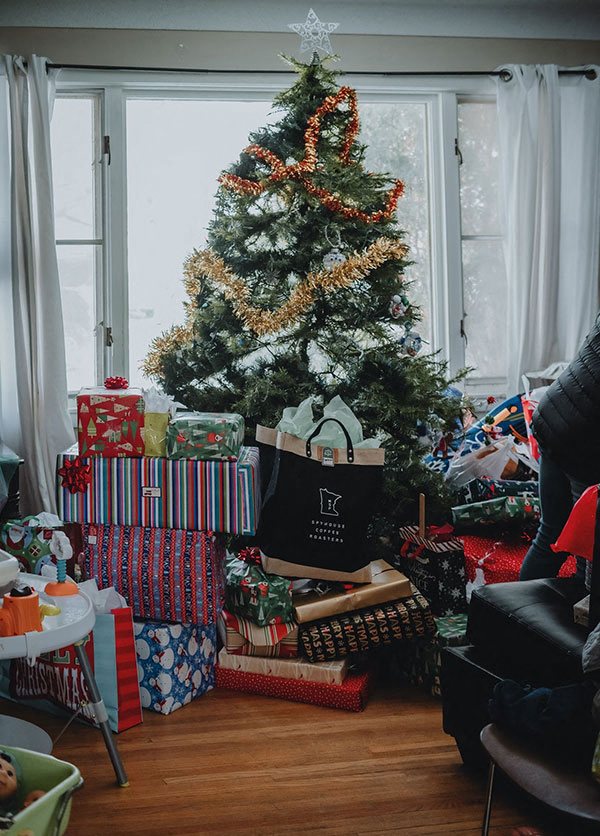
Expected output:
{"points": [[351, 695]]}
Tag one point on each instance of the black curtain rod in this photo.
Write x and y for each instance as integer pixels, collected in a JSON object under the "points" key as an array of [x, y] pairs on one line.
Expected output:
{"points": [[505, 75]]}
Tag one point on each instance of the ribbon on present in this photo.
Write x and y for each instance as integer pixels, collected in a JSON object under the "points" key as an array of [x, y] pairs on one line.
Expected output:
{"points": [[441, 533], [116, 382], [251, 554], [76, 474]]}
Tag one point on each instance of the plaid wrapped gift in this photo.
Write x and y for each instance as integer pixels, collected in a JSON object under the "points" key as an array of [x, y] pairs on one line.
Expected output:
{"points": [[351, 695], [424, 660], [250, 592], [367, 629], [481, 490], [175, 662], [205, 435], [164, 573], [242, 637], [436, 566], [203, 496], [110, 422], [504, 509]]}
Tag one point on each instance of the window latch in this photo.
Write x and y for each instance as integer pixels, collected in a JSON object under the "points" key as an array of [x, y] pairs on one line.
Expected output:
{"points": [[108, 337], [106, 147], [458, 152], [463, 333]]}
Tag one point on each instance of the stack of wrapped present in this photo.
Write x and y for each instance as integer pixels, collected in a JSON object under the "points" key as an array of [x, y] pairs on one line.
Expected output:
{"points": [[433, 558], [154, 492], [297, 639]]}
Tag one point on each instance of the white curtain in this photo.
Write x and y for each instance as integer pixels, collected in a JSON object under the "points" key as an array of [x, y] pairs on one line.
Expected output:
{"points": [[549, 144], [45, 427]]}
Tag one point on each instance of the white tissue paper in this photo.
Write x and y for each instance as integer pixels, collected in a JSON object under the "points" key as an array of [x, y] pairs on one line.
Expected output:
{"points": [[300, 421], [157, 401], [104, 600]]}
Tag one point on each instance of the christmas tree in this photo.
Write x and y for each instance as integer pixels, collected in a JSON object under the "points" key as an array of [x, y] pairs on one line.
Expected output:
{"points": [[301, 292]]}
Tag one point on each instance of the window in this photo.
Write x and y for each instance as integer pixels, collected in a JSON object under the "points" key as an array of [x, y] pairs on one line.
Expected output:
{"points": [[484, 274], [125, 224], [77, 212]]}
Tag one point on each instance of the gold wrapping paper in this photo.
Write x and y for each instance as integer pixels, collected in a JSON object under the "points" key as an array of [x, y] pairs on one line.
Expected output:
{"points": [[332, 673], [387, 584], [155, 434], [274, 566]]}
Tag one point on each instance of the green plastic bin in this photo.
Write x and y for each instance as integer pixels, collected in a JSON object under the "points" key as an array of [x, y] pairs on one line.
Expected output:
{"points": [[49, 815]]}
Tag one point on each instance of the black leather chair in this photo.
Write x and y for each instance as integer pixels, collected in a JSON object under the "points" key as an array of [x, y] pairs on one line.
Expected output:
{"points": [[523, 631]]}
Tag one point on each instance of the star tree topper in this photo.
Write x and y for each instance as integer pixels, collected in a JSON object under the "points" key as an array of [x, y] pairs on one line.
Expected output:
{"points": [[314, 33]]}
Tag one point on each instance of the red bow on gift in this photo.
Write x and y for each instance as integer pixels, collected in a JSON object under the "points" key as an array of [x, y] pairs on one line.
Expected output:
{"points": [[76, 474], [116, 382], [251, 554]]}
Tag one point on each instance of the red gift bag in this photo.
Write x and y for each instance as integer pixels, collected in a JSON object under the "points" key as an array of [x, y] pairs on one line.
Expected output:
{"points": [[55, 682]]}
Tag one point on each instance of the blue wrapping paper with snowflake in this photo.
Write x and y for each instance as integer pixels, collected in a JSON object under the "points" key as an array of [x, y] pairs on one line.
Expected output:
{"points": [[435, 564], [175, 663], [508, 420]]}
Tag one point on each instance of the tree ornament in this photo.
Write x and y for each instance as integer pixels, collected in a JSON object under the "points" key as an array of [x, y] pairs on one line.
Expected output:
{"points": [[411, 343], [335, 256], [314, 33], [399, 305]]}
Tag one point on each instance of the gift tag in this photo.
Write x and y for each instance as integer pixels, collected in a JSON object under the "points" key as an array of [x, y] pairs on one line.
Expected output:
{"points": [[328, 460], [151, 492]]}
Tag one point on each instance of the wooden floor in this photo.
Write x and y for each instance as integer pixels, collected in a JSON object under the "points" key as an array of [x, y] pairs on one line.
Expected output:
{"points": [[231, 763]]}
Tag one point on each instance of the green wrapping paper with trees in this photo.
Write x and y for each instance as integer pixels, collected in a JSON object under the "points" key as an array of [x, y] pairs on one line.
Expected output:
{"points": [[205, 435], [252, 593], [505, 509]]}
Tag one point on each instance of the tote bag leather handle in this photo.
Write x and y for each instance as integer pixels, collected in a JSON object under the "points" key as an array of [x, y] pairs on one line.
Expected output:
{"points": [[315, 432]]}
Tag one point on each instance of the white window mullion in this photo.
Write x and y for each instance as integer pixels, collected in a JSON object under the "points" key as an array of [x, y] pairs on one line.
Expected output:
{"points": [[453, 309], [115, 230]]}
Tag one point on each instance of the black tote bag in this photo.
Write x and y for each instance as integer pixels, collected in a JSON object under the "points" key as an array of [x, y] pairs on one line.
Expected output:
{"points": [[319, 502]]}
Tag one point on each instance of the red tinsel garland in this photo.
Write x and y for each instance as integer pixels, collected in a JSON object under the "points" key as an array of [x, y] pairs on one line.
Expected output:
{"points": [[299, 171]]}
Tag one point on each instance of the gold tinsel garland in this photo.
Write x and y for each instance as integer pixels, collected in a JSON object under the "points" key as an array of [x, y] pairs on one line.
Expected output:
{"points": [[262, 322]]}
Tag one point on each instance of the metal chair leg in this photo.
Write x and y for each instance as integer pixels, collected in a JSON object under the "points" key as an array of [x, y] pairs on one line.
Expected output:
{"points": [[489, 794], [101, 715]]}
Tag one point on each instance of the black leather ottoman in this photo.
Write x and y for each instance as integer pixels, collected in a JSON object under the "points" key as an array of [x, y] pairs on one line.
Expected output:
{"points": [[526, 628], [467, 685]]}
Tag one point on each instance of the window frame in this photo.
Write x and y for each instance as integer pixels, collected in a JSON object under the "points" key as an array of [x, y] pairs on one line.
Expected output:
{"points": [[441, 96]]}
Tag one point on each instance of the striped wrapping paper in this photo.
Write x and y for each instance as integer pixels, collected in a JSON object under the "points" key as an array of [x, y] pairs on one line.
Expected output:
{"points": [[161, 493], [164, 574]]}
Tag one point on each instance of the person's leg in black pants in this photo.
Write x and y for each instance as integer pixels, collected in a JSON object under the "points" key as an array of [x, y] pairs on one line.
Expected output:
{"points": [[558, 493]]}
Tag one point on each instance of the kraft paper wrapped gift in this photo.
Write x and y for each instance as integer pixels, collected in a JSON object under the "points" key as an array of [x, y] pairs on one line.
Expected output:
{"points": [[435, 564], [198, 495], [275, 566], [351, 695], [163, 573], [332, 673], [243, 637], [387, 584], [205, 435], [175, 663], [110, 422], [368, 629]]}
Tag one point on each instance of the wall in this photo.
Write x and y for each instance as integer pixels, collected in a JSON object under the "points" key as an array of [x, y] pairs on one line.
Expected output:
{"points": [[260, 50]]}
